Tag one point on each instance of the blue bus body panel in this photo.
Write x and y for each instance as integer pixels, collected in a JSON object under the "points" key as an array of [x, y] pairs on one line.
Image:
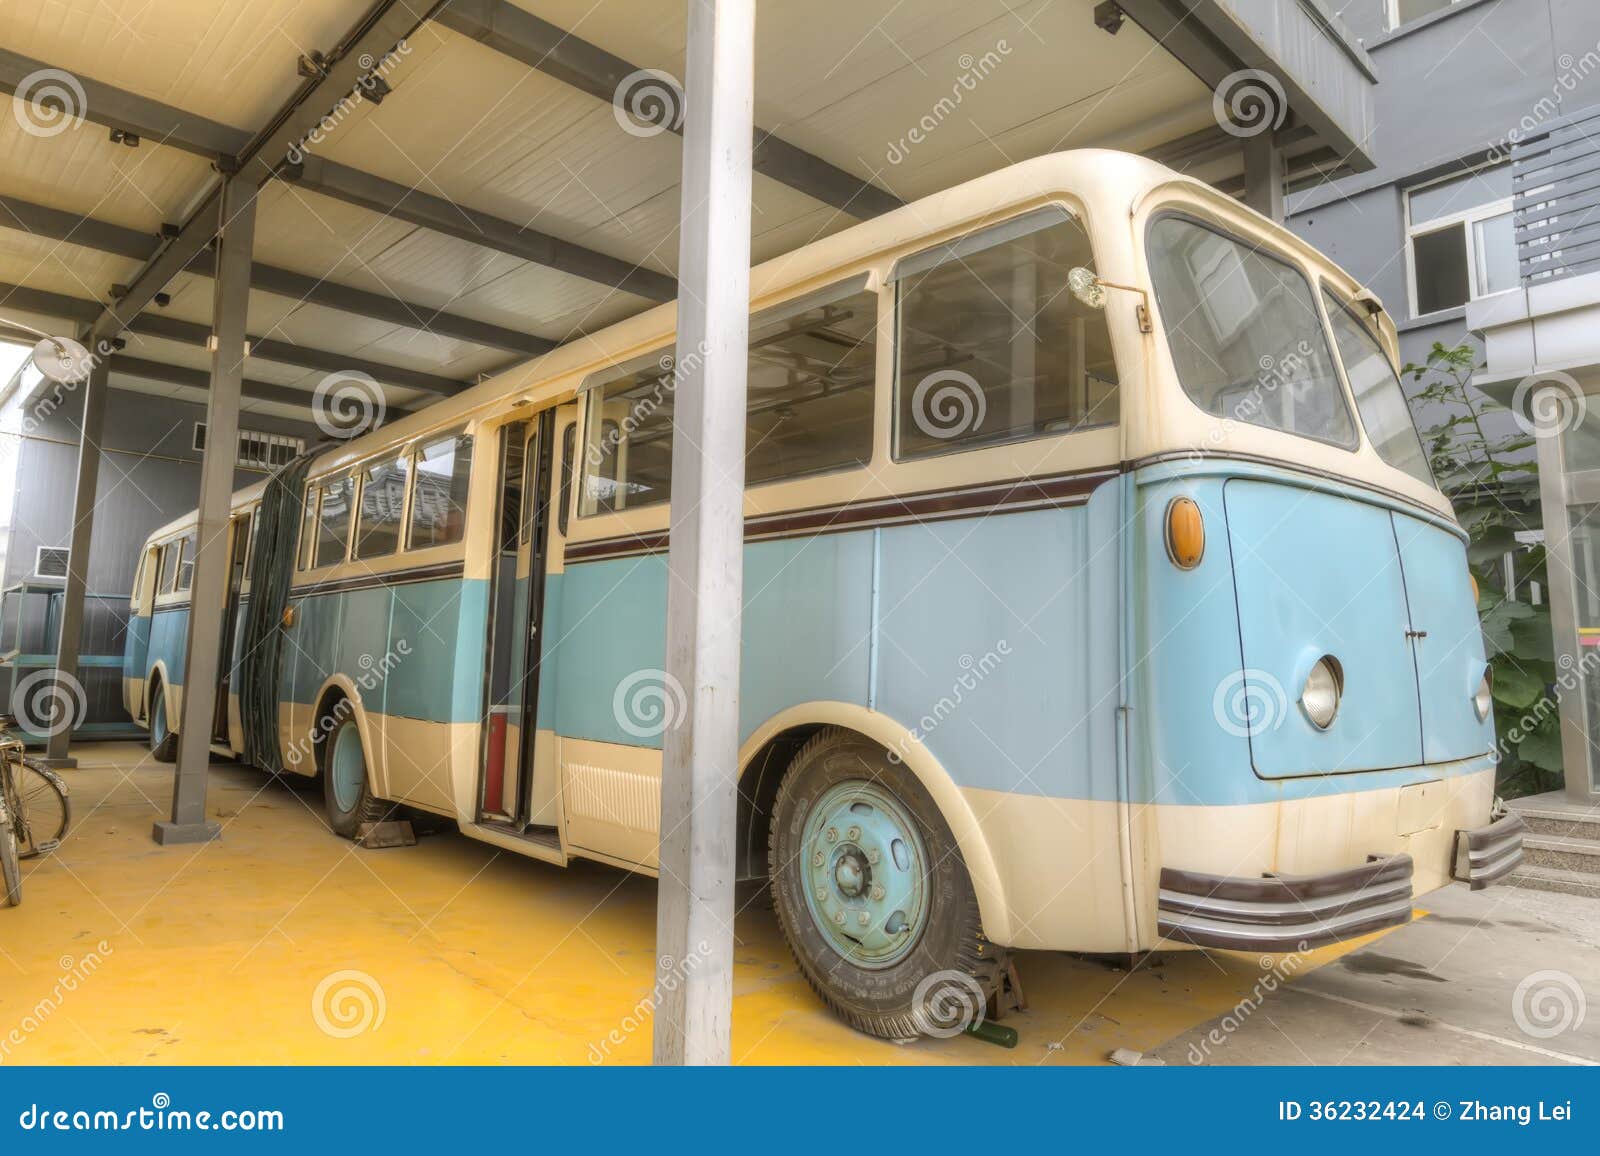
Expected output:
{"points": [[1319, 574], [169, 641], [136, 650], [1450, 655]]}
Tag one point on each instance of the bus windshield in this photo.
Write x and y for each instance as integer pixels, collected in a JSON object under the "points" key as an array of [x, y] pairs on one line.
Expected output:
{"points": [[1247, 339]]}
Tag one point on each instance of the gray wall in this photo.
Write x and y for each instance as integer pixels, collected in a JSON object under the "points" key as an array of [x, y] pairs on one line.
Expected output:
{"points": [[1451, 87], [149, 475]]}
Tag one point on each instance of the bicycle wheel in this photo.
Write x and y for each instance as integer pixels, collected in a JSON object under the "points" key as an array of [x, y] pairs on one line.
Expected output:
{"points": [[10, 868], [45, 809]]}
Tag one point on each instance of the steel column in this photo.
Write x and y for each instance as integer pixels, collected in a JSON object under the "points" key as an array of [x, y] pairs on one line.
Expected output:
{"points": [[209, 587], [699, 773], [1264, 174], [62, 723]]}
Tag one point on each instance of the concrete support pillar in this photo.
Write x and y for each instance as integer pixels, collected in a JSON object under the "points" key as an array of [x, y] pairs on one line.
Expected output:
{"points": [[694, 915], [1264, 174], [57, 753], [208, 592]]}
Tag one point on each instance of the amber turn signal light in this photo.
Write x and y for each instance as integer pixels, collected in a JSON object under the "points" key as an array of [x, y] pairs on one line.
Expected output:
{"points": [[1186, 533], [1474, 580]]}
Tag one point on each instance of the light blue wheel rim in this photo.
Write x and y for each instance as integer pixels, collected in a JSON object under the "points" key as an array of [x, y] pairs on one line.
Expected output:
{"points": [[348, 768], [865, 869], [158, 721]]}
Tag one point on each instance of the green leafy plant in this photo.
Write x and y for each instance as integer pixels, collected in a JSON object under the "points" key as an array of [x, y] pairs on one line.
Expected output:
{"points": [[1492, 478]]}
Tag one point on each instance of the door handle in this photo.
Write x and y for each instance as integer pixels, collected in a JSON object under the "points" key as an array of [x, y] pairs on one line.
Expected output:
{"points": [[1416, 634]]}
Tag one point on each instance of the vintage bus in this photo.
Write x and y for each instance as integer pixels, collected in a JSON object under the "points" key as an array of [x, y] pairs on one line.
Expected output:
{"points": [[1098, 597]]}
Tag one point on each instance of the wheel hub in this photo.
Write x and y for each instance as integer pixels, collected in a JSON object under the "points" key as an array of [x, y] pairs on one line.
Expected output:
{"points": [[865, 873]]}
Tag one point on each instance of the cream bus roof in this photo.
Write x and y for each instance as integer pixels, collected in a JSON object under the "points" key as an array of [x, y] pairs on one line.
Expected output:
{"points": [[1107, 185]]}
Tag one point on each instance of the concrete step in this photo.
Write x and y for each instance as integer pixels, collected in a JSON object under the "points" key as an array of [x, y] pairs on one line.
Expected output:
{"points": [[1563, 853], [1554, 879], [1571, 824]]}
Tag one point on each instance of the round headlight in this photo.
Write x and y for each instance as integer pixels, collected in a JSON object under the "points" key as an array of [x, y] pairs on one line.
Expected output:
{"points": [[1324, 686], [1483, 698]]}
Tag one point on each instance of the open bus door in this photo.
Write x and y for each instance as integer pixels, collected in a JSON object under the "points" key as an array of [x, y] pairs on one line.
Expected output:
{"points": [[516, 601], [239, 534]]}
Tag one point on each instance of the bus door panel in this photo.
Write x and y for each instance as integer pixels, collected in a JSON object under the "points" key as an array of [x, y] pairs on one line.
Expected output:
{"points": [[238, 552]]}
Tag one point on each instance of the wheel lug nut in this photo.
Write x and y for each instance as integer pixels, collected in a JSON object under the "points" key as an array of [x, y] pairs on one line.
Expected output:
{"points": [[817, 860], [822, 894], [862, 919], [877, 892], [838, 917], [833, 835], [853, 834], [873, 856]]}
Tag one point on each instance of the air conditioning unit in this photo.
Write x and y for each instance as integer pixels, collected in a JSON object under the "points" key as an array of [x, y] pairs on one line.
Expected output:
{"points": [[50, 562]]}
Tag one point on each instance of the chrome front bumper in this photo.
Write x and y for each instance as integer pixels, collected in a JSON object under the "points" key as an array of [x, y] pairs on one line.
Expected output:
{"points": [[1284, 912], [1487, 854]]}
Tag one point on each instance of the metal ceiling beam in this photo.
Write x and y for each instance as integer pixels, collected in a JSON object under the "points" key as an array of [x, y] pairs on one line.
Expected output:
{"points": [[151, 120], [374, 38], [428, 211], [124, 111], [554, 51], [148, 370], [194, 333], [288, 353], [43, 221]]}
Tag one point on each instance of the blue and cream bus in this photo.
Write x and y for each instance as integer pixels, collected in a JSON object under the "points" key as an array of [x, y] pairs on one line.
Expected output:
{"points": [[1098, 597]]}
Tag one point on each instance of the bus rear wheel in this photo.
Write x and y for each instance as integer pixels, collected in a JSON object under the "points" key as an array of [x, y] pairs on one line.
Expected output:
{"points": [[346, 788], [163, 742], [873, 896]]}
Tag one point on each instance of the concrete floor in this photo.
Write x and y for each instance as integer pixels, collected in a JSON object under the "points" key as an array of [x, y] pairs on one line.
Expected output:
{"points": [[283, 944]]}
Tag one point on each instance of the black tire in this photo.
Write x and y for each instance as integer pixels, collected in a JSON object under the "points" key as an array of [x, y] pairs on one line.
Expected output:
{"points": [[163, 739], [948, 975], [10, 868], [46, 809], [358, 804]]}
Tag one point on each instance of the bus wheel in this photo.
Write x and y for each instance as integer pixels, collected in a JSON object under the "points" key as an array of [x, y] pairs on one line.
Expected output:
{"points": [[345, 786], [873, 896], [163, 742]]}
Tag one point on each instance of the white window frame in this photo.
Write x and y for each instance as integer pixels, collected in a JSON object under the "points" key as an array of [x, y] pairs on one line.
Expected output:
{"points": [[1392, 12], [1469, 218]]}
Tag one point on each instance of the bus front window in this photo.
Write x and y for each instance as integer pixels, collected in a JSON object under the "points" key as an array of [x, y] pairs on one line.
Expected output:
{"points": [[1247, 340]]}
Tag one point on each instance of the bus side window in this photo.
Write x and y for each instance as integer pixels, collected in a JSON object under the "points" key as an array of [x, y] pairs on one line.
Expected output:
{"points": [[993, 347], [810, 374], [185, 547], [333, 522], [308, 527], [168, 573], [383, 498], [439, 492]]}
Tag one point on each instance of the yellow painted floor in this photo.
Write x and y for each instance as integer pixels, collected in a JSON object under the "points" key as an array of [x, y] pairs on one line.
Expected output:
{"points": [[281, 943]]}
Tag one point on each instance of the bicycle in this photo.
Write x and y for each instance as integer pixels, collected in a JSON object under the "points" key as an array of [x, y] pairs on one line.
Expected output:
{"points": [[35, 810]]}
